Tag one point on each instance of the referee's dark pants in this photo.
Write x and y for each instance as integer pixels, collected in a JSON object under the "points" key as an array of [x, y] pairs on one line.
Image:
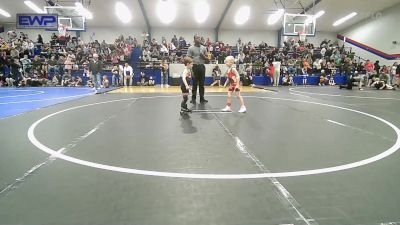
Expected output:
{"points": [[199, 73]]}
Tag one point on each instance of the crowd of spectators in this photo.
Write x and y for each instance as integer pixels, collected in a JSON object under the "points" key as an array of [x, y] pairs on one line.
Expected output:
{"points": [[24, 61], [53, 63]]}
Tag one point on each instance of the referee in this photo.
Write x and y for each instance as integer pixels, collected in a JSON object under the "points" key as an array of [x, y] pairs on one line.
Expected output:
{"points": [[198, 53]]}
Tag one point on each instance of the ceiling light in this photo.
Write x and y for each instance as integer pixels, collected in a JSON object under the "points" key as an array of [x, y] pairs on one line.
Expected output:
{"points": [[344, 19], [34, 7], [272, 19], [4, 13], [314, 17], [83, 11], [242, 15], [166, 11], [122, 12], [201, 11]]}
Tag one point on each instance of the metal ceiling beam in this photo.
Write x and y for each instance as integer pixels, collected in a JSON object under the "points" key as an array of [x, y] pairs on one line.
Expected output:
{"points": [[145, 18], [222, 18], [311, 6]]}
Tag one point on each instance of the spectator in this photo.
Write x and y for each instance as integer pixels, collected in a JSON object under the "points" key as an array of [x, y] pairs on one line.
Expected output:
{"points": [[151, 81], [322, 78], [106, 82], [78, 82], [271, 71], [164, 72], [381, 85], [95, 68], [174, 41], [397, 77], [216, 76], [26, 64], [14, 76], [377, 66], [385, 75], [128, 75], [146, 55], [142, 81], [393, 73], [287, 80], [52, 65], [121, 74], [277, 72], [164, 51], [115, 80], [369, 68], [182, 42], [248, 77]]}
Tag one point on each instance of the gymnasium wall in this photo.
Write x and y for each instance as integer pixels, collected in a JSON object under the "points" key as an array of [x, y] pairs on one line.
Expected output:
{"points": [[255, 36], [168, 33], [320, 36], [109, 34], [378, 32]]}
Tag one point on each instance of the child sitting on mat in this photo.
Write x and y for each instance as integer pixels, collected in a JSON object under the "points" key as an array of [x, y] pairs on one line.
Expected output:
{"points": [[106, 82], [233, 78], [151, 81]]}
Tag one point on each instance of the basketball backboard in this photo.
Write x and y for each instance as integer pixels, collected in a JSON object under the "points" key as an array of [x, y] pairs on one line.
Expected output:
{"points": [[293, 24], [68, 16]]}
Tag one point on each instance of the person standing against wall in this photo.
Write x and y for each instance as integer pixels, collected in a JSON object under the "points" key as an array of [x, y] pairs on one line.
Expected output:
{"points": [[164, 73], [95, 68], [198, 53], [277, 71]]}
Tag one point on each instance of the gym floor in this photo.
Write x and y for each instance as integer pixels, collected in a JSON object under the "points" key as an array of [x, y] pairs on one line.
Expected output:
{"points": [[301, 155]]}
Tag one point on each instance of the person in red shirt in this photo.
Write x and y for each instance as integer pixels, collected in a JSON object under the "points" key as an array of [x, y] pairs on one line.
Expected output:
{"points": [[370, 68], [233, 79], [270, 71]]}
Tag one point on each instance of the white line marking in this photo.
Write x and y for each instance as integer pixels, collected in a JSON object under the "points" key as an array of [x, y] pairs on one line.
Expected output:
{"points": [[375, 158], [299, 95], [60, 151], [341, 124], [278, 186], [28, 173], [206, 110], [240, 145], [53, 156], [210, 112], [345, 96], [46, 99], [12, 96]]}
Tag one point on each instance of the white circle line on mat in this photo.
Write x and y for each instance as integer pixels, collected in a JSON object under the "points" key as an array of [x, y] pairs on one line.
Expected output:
{"points": [[54, 153], [344, 96]]}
